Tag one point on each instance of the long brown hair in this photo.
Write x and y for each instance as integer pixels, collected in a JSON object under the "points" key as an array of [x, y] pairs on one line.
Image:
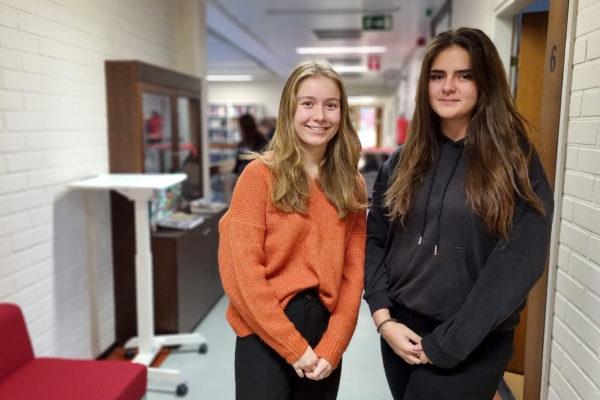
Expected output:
{"points": [[338, 173], [496, 146]]}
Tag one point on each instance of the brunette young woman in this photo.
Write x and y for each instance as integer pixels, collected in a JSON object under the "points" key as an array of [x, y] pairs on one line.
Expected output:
{"points": [[459, 228], [291, 251]]}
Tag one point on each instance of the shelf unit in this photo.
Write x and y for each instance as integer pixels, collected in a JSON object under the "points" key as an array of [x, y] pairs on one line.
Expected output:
{"points": [[224, 136]]}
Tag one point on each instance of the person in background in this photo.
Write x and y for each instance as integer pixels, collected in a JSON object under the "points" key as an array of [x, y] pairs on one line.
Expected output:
{"points": [[266, 126], [252, 141], [459, 228], [291, 249]]}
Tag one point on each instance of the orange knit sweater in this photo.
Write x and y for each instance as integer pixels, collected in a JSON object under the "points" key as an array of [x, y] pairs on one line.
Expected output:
{"points": [[267, 256]]}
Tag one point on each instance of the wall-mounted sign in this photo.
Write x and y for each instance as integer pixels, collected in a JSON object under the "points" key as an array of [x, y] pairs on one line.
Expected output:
{"points": [[380, 22]]}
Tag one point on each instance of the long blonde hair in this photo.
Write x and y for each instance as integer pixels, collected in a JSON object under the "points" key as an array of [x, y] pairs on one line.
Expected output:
{"points": [[338, 172]]}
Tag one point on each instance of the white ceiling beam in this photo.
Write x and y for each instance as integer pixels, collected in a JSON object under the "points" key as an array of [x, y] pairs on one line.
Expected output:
{"points": [[221, 23]]}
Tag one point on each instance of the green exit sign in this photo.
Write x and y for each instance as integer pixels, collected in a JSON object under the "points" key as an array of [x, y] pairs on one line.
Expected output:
{"points": [[382, 22]]}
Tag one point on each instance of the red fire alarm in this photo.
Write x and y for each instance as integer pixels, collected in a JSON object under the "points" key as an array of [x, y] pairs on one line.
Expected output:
{"points": [[374, 62]]}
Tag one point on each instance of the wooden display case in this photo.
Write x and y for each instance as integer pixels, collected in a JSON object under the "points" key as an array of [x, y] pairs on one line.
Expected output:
{"points": [[154, 126]]}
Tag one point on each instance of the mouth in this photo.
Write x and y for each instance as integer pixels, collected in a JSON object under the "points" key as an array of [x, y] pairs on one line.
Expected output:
{"points": [[448, 101], [317, 128]]}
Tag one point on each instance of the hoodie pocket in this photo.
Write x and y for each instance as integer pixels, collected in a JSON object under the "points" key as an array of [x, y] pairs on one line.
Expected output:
{"points": [[433, 285]]}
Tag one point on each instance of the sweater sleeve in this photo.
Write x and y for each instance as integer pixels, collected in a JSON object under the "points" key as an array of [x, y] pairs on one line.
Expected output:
{"points": [[378, 225], [510, 272], [342, 321], [243, 276]]}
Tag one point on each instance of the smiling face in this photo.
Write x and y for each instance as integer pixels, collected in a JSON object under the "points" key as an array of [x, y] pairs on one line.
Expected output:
{"points": [[318, 112], [452, 90]]}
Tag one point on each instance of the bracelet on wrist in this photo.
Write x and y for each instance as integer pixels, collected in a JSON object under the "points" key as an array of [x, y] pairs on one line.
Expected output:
{"points": [[381, 326]]}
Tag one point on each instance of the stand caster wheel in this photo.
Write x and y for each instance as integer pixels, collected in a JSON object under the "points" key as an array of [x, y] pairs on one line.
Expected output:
{"points": [[203, 349], [129, 354], [181, 390]]}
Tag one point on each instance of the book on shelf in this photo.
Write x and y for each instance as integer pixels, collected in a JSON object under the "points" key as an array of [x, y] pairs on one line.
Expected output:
{"points": [[180, 220]]}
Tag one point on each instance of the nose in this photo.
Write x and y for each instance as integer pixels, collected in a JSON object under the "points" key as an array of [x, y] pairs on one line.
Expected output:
{"points": [[319, 114], [448, 86]]}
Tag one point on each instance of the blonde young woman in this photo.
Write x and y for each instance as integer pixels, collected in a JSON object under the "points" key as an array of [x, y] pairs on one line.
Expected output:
{"points": [[292, 244]]}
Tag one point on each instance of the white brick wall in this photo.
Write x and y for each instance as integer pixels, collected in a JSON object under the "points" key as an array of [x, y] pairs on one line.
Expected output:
{"points": [[575, 353], [55, 257]]}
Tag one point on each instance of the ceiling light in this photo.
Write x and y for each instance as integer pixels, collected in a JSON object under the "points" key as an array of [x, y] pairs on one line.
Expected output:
{"points": [[341, 50], [229, 78], [361, 100], [342, 69]]}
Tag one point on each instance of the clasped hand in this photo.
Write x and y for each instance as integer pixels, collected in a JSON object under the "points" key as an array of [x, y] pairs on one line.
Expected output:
{"points": [[311, 366], [405, 343]]}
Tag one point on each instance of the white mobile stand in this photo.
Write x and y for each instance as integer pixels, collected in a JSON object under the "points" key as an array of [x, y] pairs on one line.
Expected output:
{"points": [[140, 188]]}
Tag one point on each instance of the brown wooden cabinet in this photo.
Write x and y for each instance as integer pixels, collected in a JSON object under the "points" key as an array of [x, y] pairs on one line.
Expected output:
{"points": [[154, 127]]}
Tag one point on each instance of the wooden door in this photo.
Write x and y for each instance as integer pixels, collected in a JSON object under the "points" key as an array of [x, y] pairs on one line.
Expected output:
{"points": [[549, 127], [530, 81]]}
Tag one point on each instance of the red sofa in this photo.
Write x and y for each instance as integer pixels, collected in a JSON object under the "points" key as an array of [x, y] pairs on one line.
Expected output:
{"points": [[23, 376]]}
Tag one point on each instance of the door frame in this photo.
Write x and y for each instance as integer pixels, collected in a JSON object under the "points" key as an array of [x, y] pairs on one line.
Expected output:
{"points": [[504, 14]]}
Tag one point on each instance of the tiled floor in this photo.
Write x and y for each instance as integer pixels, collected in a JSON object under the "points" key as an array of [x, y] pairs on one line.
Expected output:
{"points": [[210, 376]]}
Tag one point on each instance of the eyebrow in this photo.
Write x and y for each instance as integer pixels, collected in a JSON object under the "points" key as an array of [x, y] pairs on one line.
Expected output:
{"points": [[314, 98], [459, 71]]}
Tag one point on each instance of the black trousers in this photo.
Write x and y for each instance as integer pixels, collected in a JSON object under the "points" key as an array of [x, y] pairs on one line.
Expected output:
{"points": [[476, 378], [261, 374]]}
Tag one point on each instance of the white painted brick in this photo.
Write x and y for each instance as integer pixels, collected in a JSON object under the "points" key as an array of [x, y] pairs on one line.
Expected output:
{"points": [[26, 82], [36, 25], [570, 289], [3, 165], [34, 274], [560, 307], [552, 395], [572, 154], [5, 246], [21, 121], [63, 51], [15, 262], [588, 217], [581, 4], [591, 306], [578, 379], [73, 36], [573, 237], [38, 307], [42, 251], [10, 59], [44, 178], [593, 46], [39, 102], [25, 161], [575, 104], [31, 237], [26, 200], [588, 21], [41, 215], [597, 191], [17, 40], [583, 132], [594, 249], [585, 76], [579, 185], [585, 328], [14, 223], [563, 257], [567, 209], [11, 101], [23, 5], [561, 386], [12, 183], [58, 68], [585, 272], [9, 17], [589, 160], [55, 13], [7, 287], [44, 140], [10, 142], [590, 105], [579, 51]]}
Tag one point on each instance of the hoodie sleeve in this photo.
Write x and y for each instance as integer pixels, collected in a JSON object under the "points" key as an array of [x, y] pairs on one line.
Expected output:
{"points": [[378, 226], [510, 272]]}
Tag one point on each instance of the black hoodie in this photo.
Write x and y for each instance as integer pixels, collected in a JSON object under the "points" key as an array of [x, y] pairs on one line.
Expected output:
{"points": [[442, 263]]}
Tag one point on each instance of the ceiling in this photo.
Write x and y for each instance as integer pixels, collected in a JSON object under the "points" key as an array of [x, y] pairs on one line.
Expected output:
{"points": [[259, 37]]}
